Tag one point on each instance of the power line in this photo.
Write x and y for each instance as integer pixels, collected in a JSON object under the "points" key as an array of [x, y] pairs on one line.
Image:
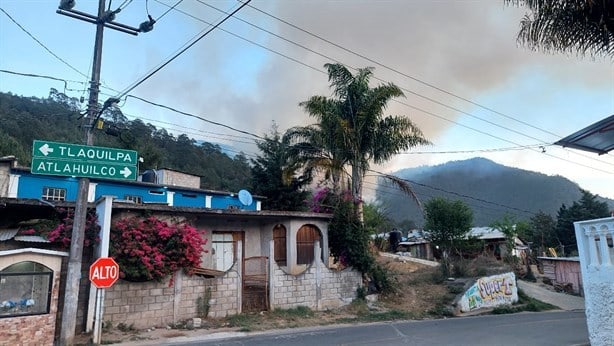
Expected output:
{"points": [[455, 193], [139, 82], [404, 89], [248, 40], [167, 11], [412, 78], [216, 135], [195, 116], [400, 72], [469, 151], [394, 192], [41, 44]]}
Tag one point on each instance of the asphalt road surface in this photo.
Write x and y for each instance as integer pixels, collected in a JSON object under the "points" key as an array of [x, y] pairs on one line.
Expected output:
{"points": [[540, 328]]}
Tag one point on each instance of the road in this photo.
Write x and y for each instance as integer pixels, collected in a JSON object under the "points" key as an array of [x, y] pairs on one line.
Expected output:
{"points": [[540, 328]]}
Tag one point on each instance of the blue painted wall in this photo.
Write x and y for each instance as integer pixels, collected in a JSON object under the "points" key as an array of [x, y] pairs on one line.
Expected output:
{"points": [[189, 199], [149, 194], [31, 186]]}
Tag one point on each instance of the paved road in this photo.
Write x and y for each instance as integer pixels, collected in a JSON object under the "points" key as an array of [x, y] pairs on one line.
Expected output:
{"points": [[542, 328]]}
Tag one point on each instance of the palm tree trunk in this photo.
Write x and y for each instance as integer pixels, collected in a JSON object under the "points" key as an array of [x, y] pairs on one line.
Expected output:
{"points": [[357, 176]]}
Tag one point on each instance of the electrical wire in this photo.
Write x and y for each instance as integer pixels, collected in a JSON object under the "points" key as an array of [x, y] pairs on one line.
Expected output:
{"points": [[139, 82], [167, 11], [41, 44], [194, 116], [259, 137], [454, 193], [417, 94], [395, 70]]}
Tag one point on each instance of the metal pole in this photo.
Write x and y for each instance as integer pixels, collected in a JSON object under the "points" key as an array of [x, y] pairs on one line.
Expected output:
{"points": [[73, 276]]}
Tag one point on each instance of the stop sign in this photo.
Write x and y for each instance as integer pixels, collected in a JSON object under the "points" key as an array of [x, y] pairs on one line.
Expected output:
{"points": [[104, 272]]}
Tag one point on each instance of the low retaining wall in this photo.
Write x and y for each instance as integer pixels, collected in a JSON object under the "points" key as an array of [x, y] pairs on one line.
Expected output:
{"points": [[317, 288], [158, 304], [490, 291]]}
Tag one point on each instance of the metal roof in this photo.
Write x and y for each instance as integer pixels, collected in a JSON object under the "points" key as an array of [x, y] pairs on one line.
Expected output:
{"points": [[597, 138]]}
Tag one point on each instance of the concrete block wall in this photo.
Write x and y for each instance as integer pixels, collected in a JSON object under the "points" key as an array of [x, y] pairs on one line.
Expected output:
{"points": [[140, 304], [224, 299], [32, 330], [158, 304], [294, 290], [339, 287], [318, 288]]}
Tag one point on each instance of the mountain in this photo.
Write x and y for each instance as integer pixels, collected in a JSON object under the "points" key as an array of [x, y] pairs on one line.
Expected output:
{"points": [[490, 189]]}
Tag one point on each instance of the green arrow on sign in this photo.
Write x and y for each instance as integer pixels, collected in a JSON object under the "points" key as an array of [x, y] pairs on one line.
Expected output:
{"points": [[62, 167], [88, 153]]}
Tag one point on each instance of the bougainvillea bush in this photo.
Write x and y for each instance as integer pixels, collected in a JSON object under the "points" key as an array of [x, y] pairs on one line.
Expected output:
{"points": [[59, 230], [151, 249]]}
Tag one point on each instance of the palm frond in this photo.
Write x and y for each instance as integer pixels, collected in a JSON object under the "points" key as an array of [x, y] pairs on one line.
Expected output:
{"points": [[405, 187]]}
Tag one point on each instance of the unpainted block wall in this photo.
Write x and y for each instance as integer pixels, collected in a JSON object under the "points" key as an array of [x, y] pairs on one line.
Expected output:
{"points": [[336, 288], [224, 299], [158, 304]]}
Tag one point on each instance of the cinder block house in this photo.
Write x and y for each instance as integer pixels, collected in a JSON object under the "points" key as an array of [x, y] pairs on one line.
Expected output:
{"points": [[253, 260]]}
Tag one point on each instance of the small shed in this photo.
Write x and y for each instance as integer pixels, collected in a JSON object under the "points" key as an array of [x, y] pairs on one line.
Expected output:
{"points": [[564, 270]]}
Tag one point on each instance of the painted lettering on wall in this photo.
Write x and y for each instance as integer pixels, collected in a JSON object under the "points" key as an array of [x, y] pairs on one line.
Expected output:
{"points": [[490, 291]]}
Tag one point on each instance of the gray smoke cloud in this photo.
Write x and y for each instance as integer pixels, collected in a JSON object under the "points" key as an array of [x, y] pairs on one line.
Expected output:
{"points": [[466, 47]]}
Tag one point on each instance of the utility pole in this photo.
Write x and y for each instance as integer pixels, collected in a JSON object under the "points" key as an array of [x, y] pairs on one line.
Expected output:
{"points": [[73, 276]]}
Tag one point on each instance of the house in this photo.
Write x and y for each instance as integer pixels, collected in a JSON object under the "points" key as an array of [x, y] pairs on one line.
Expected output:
{"points": [[163, 186], [495, 242], [563, 271], [253, 260], [417, 246]]}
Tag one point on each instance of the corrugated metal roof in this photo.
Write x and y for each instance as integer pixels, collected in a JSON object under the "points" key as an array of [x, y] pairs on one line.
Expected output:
{"points": [[486, 233], [597, 138], [7, 234], [31, 239]]}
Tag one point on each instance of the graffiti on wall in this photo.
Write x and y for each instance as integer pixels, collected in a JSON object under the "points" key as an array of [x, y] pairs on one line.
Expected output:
{"points": [[490, 291]]}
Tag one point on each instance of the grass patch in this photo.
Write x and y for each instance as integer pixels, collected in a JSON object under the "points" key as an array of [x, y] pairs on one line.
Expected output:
{"points": [[293, 313], [244, 322], [525, 303], [441, 310]]}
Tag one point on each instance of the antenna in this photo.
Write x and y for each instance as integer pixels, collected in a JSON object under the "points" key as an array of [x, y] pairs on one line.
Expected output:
{"points": [[245, 198]]}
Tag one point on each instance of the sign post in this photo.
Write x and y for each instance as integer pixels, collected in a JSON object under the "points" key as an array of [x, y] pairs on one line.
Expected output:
{"points": [[53, 158], [104, 272]]}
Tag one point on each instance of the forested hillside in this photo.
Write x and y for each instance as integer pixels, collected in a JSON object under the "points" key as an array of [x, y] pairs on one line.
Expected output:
{"points": [[56, 118], [490, 189]]}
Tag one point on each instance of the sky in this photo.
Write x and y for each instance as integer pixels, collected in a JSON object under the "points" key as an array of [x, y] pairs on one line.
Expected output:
{"points": [[469, 86]]}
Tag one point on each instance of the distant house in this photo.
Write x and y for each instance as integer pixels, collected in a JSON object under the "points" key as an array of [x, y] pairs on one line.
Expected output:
{"points": [[495, 242], [417, 246]]}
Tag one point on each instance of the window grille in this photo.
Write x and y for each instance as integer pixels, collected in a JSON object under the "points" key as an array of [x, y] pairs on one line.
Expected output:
{"points": [[135, 199], [54, 194]]}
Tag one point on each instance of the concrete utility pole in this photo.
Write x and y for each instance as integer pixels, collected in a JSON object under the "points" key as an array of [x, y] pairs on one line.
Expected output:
{"points": [[73, 276]]}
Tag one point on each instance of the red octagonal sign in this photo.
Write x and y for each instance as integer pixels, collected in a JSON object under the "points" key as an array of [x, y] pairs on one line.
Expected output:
{"points": [[104, 272]]}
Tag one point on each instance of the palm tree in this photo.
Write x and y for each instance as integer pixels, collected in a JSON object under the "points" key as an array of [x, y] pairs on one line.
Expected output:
{"points": [[583, 26], [352, 128]]}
